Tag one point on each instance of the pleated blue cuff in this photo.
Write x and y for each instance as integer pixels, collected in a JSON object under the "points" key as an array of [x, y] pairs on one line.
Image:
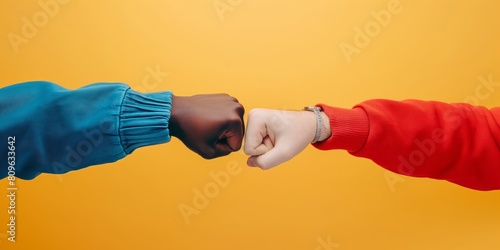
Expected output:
{"points": [[144, 119]]}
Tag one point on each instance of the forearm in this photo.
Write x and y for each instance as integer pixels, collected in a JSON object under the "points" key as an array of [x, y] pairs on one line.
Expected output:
{"points": [[455, 142], [59, 130]]}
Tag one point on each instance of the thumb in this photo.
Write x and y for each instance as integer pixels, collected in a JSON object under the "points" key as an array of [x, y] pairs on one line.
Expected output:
{"points": [[271, 158]]}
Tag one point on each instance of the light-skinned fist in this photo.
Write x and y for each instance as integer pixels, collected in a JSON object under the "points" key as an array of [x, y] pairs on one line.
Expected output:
{"points": [[276, 136]]}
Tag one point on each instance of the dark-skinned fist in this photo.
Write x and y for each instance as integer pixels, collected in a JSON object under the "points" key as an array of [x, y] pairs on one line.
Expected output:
{"points": [[210, 125]]}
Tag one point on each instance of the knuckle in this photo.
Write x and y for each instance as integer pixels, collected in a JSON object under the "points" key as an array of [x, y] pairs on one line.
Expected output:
{"points": [[247, 149], [240, 109], [254, 112]]}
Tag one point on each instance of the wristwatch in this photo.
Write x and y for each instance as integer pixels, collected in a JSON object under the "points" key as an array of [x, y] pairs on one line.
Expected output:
{"points": [[319, 120]]}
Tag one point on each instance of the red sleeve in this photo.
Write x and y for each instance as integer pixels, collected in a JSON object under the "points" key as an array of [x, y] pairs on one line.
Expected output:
{"points": [[455, 142]]}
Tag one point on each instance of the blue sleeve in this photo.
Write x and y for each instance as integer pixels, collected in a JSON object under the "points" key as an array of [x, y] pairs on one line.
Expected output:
{"points": [[56, 130]]}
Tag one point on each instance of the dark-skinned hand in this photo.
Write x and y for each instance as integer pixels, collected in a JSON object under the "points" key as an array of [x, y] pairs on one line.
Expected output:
{"points": [[210, 125]]}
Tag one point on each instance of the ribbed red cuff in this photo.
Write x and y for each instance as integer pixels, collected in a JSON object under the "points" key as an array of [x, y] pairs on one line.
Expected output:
{"points": [[350, 128]]}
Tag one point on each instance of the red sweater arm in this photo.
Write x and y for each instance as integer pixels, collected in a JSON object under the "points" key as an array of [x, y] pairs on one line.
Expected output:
{"points": [[455, 142]]}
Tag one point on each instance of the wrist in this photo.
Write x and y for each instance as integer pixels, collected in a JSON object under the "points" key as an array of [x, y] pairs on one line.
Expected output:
{"points": [[175, 113], [309, 124], [321, 123]]}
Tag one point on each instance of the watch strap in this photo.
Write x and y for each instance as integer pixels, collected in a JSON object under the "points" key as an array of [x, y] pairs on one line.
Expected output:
{"points": [[319, 121]]}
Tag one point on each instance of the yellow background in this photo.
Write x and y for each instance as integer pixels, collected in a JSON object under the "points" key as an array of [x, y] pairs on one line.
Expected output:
{"points": [[274, 54]]}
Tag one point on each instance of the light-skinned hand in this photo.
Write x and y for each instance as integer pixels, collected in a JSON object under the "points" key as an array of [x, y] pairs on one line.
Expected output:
{"points": [[276, 136]]}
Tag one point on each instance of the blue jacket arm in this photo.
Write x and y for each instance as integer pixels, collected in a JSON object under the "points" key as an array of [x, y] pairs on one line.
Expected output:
{"points": [[56, 130]]}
